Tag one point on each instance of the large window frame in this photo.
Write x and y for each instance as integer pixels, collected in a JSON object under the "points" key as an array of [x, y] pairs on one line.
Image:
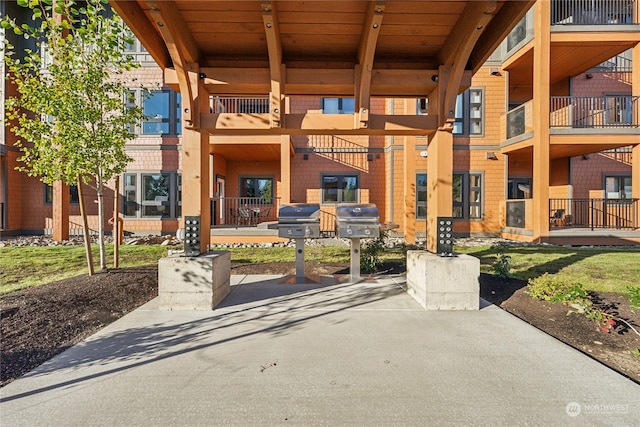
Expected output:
{"points": [[468, 195], [164, 116], [421, 196], [338, 105], [469, 112], [262, 187], [74, 198], [617, 185], [141, 200], [340, 188]]}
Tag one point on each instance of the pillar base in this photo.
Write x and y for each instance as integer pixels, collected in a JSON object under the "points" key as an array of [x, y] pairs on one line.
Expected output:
{"points": [[443, 283], [194, 283]]}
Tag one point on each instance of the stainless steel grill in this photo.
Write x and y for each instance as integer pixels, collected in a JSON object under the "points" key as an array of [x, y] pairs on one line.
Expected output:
{"points": [[356, 221], [299, 221]]}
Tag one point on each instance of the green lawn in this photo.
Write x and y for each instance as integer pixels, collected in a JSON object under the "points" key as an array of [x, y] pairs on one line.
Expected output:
{"points": [[606, 269]]}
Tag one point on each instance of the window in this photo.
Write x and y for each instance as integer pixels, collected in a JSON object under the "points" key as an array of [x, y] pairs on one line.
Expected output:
{"points": [[152, 195], [163, 111], [421, 196], [619, 110], [617, 187], [469, 113], [340, 189], [73, 194], [257, 187], [156, 108], [338, 106], [155, 195], [519, 188], [467, 195]]}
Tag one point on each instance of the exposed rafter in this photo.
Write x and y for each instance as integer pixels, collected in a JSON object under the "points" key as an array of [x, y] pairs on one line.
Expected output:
{"points": [[274, 47], [455, 52], [511, 12], [135, 17], [366, 54], [183, 52]]}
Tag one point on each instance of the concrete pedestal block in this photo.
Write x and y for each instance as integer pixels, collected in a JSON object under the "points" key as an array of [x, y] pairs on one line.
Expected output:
{"points": [[194, 283], [443, 283]]}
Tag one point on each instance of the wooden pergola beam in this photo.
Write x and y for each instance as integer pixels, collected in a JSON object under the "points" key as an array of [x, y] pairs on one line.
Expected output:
{"points": [[364, 67], [274, 48], [134, 17], [314, 82], [455, 52], [317, 124], [184, 54]]}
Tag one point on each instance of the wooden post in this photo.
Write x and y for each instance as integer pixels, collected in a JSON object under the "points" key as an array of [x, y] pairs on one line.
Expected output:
{"points": [[439, 183], [541, 147], [60, 223]]}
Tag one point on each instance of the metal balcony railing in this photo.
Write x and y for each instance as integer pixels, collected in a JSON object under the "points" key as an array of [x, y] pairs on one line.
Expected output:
{"points": [[593, 213], [243, 211], [243, 105], [594, 112], [593, 12]]}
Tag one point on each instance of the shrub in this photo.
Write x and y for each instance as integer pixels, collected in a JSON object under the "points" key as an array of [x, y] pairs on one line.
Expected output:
{"points": [[550, 288], [634, 297], [502, 266], [370, 253]]}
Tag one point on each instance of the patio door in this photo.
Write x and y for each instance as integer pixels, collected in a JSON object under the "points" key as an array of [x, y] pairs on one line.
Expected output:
{"points": [[220, 201]]}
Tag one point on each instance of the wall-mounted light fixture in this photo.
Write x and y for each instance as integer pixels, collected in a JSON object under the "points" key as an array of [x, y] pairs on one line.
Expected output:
{"points": [[434, 78], [491, 155], [369, 157], [202, 76], [305, 157], [585, 157], [494, 72], [589, 76]]}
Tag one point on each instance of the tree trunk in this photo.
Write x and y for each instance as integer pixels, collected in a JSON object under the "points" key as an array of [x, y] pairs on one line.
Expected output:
{"points": [[103, 258], [85, 228], [116, 225]]}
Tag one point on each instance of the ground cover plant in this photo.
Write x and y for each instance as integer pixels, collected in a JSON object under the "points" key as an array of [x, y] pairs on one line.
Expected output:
{"points": [[60, 304]]}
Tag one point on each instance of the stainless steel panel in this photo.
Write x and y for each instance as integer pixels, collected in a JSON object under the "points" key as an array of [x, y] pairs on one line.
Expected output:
{"points": [[306, 231], [356, 231], [299, 212], [360, 213]]}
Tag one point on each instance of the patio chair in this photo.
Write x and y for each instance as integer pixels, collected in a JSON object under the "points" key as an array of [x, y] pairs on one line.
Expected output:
{"points": [[558, 218]]}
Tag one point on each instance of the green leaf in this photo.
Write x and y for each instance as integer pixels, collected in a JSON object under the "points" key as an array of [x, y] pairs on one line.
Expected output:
{"points": [[23, 3]]}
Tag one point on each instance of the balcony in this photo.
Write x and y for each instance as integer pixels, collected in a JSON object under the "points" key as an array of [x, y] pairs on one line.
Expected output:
{"points": [[594, 112], [619, 114], [240, 105], [593, 12], [619, 214]]}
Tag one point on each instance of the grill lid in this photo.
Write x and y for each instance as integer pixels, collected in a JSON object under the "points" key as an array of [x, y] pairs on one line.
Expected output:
{"points": [[357, 213], [297, 213]]}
